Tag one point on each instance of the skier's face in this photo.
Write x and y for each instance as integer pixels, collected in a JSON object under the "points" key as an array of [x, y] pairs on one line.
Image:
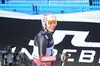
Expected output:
{"points": [[51, 24], [51, 28]]}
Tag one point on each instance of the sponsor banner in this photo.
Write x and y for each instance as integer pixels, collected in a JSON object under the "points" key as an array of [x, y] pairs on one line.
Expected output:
{"points": [[80, 40]]}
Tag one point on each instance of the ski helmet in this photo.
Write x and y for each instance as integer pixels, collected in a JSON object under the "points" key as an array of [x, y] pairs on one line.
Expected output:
{"points": [[49, 19]]}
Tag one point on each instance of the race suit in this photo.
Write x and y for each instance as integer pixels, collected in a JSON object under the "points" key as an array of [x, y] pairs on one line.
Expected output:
{"points": [[43, 45]]}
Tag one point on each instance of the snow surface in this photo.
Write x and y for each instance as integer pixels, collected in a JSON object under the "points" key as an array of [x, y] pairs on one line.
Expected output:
{"points": [[90, 16]]}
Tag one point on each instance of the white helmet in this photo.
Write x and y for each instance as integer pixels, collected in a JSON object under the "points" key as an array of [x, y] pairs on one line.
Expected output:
{"points": [[47, 17]]}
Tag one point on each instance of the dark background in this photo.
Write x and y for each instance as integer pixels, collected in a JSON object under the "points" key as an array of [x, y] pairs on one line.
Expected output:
{"points": [[18, 32]]}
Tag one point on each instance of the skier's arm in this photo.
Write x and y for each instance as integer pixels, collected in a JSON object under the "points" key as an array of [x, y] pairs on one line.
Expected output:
{"points": [[42, 44]]}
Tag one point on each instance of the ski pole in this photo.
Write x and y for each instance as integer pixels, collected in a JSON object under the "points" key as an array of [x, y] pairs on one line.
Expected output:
{"points": [[63, 62]]}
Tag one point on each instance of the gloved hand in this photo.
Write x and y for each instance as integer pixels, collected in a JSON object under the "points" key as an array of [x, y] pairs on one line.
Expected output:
{"points": [[63, 57]]}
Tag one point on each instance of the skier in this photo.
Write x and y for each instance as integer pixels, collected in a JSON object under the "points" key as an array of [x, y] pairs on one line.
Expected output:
{"points": [[44, 43]]}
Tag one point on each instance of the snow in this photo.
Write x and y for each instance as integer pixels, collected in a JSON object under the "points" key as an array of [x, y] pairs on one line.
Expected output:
{"points": [[90, 16]]}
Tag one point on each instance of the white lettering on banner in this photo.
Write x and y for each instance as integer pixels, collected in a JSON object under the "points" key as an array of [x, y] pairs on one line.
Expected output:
{"points": [[31, 43], [55, 51], [13, 49], [99, 60], [69, 55], [24, 50], [87, 56], [78, 40]]}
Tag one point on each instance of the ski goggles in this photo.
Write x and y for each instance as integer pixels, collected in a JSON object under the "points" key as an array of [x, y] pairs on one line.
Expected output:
{"points": [[52, 22]]}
